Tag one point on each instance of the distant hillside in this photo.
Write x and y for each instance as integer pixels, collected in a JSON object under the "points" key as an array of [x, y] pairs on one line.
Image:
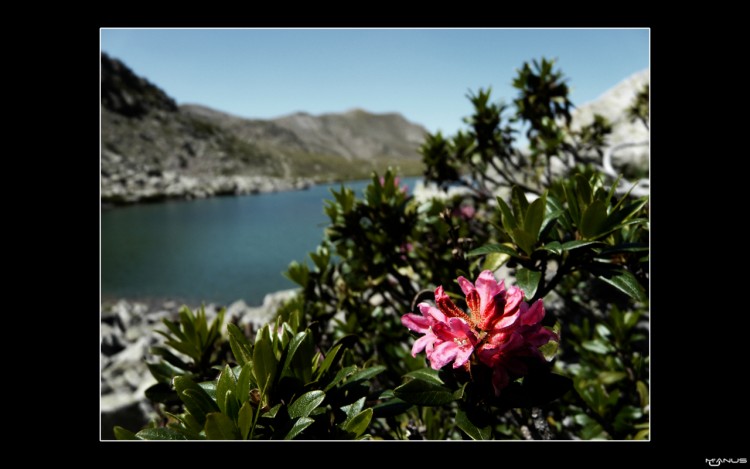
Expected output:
{"points": [[153, 149], [613, 104]]}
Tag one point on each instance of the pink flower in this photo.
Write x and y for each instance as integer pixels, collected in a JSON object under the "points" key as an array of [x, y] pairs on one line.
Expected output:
{"points": [[501, 330], [466, 212], [445, 340], [397, 183]]}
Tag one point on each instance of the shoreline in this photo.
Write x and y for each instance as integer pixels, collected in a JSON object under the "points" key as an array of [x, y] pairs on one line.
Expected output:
{"points": [[133, 187]]}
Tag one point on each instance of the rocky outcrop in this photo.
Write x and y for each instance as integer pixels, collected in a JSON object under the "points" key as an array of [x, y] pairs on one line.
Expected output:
{"points": [[155, 185], [127, 334], [613, 105]]}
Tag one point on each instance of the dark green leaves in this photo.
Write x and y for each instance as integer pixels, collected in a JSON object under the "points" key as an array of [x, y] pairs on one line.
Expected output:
{"points": [[524, 224], [626, 283], [241, 348], [528, 281], [221, 427], [493, 248], [226, 391], [475, 433], [196, 400], [192, 336], [297, 273], [264, 360], [160, 434], [426, 374], [421, 392], [305, 404]]}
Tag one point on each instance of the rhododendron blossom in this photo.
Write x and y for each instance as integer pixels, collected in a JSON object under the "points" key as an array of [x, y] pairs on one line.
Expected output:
{"points": [[501, 329]]}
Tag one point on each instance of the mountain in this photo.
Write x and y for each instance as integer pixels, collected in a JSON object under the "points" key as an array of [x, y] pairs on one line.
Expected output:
{"points": [[613, 105], [152, 148]]}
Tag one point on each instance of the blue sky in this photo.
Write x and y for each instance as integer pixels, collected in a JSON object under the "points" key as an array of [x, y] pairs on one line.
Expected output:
{"points": [[423, 74]]}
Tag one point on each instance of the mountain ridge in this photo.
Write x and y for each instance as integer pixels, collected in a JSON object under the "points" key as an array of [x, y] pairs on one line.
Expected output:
{"points": [[152, 148]]}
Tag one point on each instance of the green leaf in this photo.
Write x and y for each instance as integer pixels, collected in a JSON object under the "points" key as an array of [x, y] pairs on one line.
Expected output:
{"points": [[627, 247], [264, 360], [583, 191], [353, 409], [174, 328], [532, 223], [592, 222], [575, 244], [226, 383], [426, 374], [294, 345], [560, 213], [366, 373], [494, 261], [221, 427], [524, 240], [163, 372], [123, 434], [320, 258], [595, 346], [474, 432], [391, 408], [519, 203], [196, 400], [162, 392], [493, 248], [554, 247], [342, 373], [188, 432], [245, 420], [642, 392], [306, 403], [422, 392], [240, 346], [160, 434], [509, 221], [626, 283], [611, 377], [549, 218], [298, 426], [169, 357], [243, 382], [297, 273], [359, 423], [573, 208], [528, 281], [332, 355], [187, 320], [549, 350], [209, 387]]}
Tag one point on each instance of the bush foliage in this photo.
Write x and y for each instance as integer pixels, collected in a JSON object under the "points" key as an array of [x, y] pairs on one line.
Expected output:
{"points": [[337, 361]]}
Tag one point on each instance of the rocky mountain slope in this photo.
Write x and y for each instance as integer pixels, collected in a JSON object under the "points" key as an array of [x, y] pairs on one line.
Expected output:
{"points": [[154, 149], [612, 105]]}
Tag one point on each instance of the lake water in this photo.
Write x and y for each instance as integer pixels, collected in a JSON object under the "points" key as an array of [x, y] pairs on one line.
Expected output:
{"points": [[212, 250]]}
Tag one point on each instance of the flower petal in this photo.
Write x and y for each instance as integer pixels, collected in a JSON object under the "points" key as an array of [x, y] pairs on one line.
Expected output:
{"points": [[415, 322], [487, 287], [513, 299], [534, 314], [431, 312], [443, 354], [425, 342], [462, 355], [466, 286], [445, 304]]}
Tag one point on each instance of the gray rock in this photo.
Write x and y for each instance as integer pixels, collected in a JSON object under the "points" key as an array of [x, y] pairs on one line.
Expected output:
{"points": [[112, 339], [613, 105]]}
